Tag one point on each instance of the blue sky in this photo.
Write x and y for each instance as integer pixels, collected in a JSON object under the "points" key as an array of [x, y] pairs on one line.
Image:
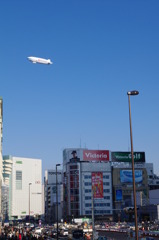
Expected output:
{"points": [[101, 49]]}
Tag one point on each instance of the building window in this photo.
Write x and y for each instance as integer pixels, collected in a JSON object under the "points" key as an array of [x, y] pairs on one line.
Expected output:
{"points": [[74, 172], [54, 189], [88, 212], [88, 190], [102, 205], [87, 177], [18, 180], [106, 183], [88, 205], [74, 167], [88, 198], [107, 197], [87, 183], [74, 191], [106, 190], [106, 177], [101, 212]]}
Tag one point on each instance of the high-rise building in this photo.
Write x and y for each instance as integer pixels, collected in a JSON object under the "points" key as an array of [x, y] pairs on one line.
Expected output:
{"points": [[5, 202], [7, 170], [25, 187], [50, 195], [123, 182], [102, 180], [87, 183], [1, 160]]}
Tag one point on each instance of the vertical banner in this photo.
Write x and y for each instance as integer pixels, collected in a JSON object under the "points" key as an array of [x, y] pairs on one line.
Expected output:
{"points": [[97, 184], [118, 194]]}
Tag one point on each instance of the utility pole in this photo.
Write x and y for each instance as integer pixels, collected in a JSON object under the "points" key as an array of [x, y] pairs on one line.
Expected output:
{"points": [[92, 214], [29, 201], [57, 202]]}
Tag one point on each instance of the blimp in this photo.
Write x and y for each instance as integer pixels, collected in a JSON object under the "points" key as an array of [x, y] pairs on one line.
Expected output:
{"points": [[39, 60]]}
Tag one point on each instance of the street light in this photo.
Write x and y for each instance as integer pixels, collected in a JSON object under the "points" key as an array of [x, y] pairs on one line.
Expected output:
{"points": [[29, 201], [93, 234], [57, 165], [133, 93]]}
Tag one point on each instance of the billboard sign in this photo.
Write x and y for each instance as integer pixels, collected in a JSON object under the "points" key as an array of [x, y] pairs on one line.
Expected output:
{"points": [[97, 184], [126, 157], [96, 155], [126, 176], [118, 194]]}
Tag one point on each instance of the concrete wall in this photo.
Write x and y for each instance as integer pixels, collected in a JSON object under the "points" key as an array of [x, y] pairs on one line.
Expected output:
{"points": [[31, 170]]}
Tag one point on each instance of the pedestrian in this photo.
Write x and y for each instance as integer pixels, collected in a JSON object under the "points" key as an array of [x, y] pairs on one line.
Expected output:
{"points": [[20, 236]]}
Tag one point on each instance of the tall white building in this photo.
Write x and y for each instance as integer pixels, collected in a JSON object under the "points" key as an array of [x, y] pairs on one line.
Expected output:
{"points": [[1, 160], [25, 187]]}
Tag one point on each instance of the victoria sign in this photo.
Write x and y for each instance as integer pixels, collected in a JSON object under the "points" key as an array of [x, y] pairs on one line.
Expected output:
{"points": [[96, 155]]}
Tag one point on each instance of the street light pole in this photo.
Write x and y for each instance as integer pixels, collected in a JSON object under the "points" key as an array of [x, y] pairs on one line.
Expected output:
{"points": [[29, 201], [93, 229], [133, 93], [57, 201]]}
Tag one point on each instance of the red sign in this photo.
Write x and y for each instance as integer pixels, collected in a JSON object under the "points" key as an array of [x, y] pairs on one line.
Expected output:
{"points": [[97, 184], [96, 155]]}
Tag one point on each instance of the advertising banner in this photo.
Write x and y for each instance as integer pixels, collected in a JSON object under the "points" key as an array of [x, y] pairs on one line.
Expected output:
{"points": [[126, 157], [126, 176], [97, 184], [118, 194], [96, 155]]}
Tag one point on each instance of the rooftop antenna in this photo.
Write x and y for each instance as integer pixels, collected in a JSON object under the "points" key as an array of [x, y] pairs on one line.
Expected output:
{"points": [[80, 142], [128, 145]]}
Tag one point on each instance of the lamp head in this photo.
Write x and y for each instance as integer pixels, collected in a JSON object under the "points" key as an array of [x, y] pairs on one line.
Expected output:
{"points": [[134, 92]]}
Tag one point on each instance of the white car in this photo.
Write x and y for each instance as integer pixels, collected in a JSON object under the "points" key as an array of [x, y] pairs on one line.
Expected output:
{"points": [[38, 230], [64, 232]]}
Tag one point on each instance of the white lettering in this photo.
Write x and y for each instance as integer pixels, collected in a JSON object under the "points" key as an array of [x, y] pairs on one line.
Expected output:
{"points": [[96, 155], [87, 154]]}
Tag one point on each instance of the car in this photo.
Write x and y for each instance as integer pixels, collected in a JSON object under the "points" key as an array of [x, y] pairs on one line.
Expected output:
{"points": [[64, 232], [31, 225], [38, 230]]}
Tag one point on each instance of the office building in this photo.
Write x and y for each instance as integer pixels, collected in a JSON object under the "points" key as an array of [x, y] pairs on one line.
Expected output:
{"points": [[87, 183], [50, 195], [25, 187], [1, 160], [5, 202], [122, 181]]}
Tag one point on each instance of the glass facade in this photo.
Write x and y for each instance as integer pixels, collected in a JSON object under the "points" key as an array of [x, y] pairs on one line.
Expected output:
{"points": [[98, 212], [74, 190]]}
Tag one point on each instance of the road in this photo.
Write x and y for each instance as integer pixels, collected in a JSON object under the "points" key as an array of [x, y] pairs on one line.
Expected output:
{"points": [[112, 235]]}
